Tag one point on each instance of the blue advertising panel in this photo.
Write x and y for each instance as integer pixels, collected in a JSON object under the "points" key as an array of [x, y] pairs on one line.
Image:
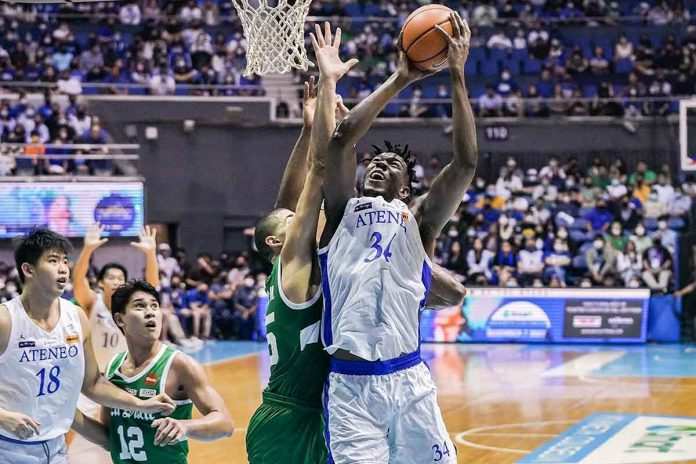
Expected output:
{"points": [[542, 315], [70, 207]]}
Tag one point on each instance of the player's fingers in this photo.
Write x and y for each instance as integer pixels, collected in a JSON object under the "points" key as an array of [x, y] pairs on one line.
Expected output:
{"points": [[312, 87], [315, 42], [34, 426], [337, 38], [171, 436], [320, 36], [456, 33], [327, 33], [352, 62], [162, 431], [444, 34], [305, 92]]}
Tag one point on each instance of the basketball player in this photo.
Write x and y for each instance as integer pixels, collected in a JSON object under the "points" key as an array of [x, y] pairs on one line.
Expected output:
{"points": [[147, 368], [107, 339], [380, 400], [288, 426], [46, 359]]}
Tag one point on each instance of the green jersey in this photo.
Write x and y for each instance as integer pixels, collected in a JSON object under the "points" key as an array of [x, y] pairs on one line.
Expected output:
{"points": [[288, 426], [299, 364], [131, 435]]}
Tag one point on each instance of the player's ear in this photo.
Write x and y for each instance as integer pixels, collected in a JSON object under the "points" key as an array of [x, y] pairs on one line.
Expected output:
{"points": [[404, 192], [28, 270], [118, 319]]}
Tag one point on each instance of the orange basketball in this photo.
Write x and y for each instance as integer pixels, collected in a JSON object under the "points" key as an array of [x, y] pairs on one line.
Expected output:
{"points": [[423, 44]]}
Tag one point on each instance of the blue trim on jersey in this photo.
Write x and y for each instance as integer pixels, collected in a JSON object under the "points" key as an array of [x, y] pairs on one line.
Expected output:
{"points": [[326, 335], [21, 442], [327, 435], [407, 361], [426, 279]]}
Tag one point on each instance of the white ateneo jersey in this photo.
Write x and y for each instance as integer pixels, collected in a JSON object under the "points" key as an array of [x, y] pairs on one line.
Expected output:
{"points": [[107, 338], [42, 372], [376, 277]]}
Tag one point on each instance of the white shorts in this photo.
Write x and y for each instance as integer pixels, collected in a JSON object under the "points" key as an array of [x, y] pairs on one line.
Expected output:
{"points": [[379, 412], [43, 452]]}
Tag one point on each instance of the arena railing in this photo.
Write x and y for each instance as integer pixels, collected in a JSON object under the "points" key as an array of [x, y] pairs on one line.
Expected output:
{"points": [[31, 161]]}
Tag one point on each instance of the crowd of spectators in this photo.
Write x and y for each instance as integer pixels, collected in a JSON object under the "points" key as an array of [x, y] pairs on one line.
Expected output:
{"points": [[524, 61], [563, 226], [34, 139]]}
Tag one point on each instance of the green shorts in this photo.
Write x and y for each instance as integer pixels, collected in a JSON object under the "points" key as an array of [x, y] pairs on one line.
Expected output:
{"points": [[283, 431]]}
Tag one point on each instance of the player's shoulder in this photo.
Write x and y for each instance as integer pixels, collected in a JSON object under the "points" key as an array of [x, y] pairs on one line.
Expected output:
{"points": [[5, 317], [184, 364]]}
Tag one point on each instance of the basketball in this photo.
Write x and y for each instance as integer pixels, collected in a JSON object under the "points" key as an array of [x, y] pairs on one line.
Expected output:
{"points": [[423, 43]]}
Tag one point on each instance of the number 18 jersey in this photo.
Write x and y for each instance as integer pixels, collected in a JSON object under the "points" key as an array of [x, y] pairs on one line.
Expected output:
{"points": [[376, 277]]}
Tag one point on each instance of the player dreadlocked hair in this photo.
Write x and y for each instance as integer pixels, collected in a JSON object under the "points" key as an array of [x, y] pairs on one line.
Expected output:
{"points": [[404, 154]]}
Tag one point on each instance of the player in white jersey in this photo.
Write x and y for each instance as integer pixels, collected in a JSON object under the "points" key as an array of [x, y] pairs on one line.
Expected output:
{"points": [[46, 359], [380, 400]]}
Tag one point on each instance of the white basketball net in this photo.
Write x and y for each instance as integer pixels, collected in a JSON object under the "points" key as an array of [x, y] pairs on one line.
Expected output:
{"points": [[275, 36]]}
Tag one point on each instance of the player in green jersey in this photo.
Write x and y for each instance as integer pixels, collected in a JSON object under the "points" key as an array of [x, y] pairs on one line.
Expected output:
{"points": [[149, 368], [288, 426]]}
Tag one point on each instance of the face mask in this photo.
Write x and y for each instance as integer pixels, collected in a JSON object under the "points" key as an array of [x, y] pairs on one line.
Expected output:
{"points": [[490, 192], [511, 164], [471, 233], [505, 76], [249, 282], [640, 231], [480, 184], [662, 225], [558, 248], [562, 234], [503, 220], [598, 245], [633, 283], [585, 284], [616, 231], [452, 233], [570, 183]]}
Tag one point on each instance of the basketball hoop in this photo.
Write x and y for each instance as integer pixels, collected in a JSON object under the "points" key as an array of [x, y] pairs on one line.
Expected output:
{"points": [[275, 35]]}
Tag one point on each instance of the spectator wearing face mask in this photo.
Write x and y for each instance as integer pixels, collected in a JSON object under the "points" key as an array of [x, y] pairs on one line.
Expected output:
{"points": [[245, 303], [627, 214], [657, 266], [640, 238], [600, 260], [557, 260], [653, 208], [616, 189], [599, 217], [478, 262], [615, 238], [530, 263], [667, 235], [629, 263], [506, 226], [680, 204]]}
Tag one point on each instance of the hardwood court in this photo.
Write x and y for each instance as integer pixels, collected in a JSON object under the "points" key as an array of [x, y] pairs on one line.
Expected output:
{"points": [[502, 401]]}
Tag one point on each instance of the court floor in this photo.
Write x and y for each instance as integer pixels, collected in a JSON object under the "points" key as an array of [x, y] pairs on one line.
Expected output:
{"points": [[501, 402]]}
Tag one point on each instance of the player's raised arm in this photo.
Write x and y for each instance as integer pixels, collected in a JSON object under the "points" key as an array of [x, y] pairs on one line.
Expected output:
{"points": [[296, 170], [445, 290], [147, 243], [339, 182], [449, 186], [298, 254], [83, 292], [216, 422], [100, 390]]}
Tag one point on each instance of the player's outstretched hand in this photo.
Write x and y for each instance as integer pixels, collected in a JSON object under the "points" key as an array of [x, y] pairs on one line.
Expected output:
{"points": [[169, 431], [326, 50], [458, 50], [93, 237], [23, 427], [161, 404], [309, 102], [147, 243]]}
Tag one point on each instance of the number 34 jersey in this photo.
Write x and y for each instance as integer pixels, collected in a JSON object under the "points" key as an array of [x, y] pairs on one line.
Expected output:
{"points": [[376, 277], [42, 372]]}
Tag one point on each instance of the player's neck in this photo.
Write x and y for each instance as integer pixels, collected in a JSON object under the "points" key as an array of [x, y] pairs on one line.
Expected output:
{"points": [[141, 352], [38, 304]]}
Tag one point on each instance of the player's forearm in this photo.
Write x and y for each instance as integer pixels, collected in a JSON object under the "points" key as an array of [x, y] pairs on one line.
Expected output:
{"points": [[213, 426], [92, 429], [295, 173], [445, 290], [106, 394], [464, 134], [360, 118], [324, 124], [79, 278], [152, 268]]}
